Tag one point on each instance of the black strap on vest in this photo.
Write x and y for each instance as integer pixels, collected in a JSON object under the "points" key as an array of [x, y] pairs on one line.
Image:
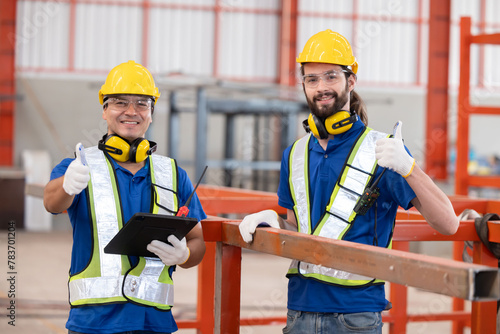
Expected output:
{"points": [[481, 224]]}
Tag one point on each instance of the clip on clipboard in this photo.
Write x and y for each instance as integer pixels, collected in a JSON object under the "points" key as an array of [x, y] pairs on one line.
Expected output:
{"points": [[143, 228]]}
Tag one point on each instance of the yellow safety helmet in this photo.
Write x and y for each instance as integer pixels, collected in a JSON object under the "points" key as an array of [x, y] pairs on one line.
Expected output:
{"points": [[328, 47], [129, 78]]}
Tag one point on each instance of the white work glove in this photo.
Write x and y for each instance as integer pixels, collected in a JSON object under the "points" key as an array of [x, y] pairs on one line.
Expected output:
{"points": [[391, 153], [250, 223], [77, 175], [178, 253]]}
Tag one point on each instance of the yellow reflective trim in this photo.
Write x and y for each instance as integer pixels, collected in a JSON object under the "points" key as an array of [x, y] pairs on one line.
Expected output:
{"points": [[145, 302], [339, 281], [165, 276], [94, 301]]}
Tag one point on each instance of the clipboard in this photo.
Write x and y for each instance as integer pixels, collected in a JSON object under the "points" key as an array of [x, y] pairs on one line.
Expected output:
{"points": [[143, 228]]}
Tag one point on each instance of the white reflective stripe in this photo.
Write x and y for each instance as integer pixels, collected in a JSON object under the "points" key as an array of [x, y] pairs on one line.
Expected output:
{"points": [[343, 203], [95, 288], [105, 210], [308, 268], [164, 177], [147, 287], [298, 177]]}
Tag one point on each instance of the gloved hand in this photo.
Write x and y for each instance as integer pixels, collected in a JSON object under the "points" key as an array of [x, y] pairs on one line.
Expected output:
{"points": [[178, 253], [391, 153], [250, 223], [77, 175]]}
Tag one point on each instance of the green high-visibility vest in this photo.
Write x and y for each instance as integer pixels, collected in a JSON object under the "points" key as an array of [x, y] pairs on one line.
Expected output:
{"points": [[109, 278], [339, 213]]}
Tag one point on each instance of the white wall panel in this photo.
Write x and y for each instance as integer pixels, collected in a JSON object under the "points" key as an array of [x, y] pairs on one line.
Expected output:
{"points": [[42, 34], [181, 41], [327, 6], [107, 35], [248, 45]]}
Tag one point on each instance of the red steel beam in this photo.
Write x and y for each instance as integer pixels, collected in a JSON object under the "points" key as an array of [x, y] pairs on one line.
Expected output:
{"points": [[288, 45], [436, 137], [7, 84], [461, 174]]}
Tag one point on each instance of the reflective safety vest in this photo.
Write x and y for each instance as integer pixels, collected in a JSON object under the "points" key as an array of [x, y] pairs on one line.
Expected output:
{"points": [[109, 278], [339, 213]]}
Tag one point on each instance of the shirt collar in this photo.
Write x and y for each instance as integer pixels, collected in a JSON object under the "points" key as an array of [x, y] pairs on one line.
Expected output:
{"points": [[338, 139]]}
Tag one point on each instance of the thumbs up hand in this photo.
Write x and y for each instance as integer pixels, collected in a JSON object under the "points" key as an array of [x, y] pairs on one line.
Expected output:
{"points": [[391, 153], [77, 175]]}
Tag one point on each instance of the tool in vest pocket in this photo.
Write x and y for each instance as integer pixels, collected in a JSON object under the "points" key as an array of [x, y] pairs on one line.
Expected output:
{"points": [[370, 195], [183, 211]]}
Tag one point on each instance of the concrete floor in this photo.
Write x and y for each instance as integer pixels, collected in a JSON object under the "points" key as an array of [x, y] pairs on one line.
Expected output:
{"points": [[41, 269]]}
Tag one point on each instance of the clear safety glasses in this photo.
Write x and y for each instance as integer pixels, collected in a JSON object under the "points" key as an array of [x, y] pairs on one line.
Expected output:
{"points": [[328, 77], [122, 104]]}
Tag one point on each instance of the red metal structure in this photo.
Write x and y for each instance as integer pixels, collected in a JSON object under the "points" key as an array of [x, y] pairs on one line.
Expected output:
{"points": [[220, 271], [436, 139], [7, 83], [465, 110]]}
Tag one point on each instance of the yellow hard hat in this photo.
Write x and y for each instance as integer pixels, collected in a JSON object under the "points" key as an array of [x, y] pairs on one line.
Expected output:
{"points": [[129, 78], [328, 47]]}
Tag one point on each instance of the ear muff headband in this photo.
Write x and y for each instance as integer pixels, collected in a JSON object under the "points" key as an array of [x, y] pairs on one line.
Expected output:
{"points": [[121, 150], [335, 124]]}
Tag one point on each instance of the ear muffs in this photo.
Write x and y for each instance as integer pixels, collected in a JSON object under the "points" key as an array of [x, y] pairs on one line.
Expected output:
{"points": [[121, 150], [317, 126], [335, 124]]}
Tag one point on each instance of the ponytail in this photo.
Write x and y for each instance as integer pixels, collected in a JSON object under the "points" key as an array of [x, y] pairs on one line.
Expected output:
{"points": [[358, 106]]}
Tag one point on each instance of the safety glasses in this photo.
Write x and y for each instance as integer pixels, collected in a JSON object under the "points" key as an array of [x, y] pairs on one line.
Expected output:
{"points": [[328, 77], [121, 104]]}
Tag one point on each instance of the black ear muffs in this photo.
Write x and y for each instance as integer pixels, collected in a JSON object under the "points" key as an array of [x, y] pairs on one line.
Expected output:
{"points": [[122, 150], [335, 124]]}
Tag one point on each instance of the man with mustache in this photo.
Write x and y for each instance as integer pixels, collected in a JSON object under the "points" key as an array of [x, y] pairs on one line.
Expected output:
{"points": [[101, 190], [323, 176]]}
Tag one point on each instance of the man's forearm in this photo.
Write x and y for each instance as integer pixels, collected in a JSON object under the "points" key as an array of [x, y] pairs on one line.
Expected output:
{"points": [[55, 199]]}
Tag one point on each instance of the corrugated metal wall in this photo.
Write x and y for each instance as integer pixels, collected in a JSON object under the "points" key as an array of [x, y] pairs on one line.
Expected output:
{"points": [[240, 40]]}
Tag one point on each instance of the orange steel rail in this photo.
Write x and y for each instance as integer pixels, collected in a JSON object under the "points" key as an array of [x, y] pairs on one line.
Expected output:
{"points": [[465, 110], [219, 288]]}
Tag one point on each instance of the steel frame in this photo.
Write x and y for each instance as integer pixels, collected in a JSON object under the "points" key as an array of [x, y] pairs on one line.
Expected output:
{"points": [[230, 108], [465, 110]]}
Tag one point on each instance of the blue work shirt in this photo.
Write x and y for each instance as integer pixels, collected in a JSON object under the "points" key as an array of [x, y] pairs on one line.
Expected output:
{"points": [[325, 167], [135, 195]]}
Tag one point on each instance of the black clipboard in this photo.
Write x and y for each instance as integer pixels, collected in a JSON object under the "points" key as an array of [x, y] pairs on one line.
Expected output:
{"points": [[143, 228]]}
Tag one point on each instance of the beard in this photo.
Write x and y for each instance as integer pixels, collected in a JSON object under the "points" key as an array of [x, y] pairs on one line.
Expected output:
{"points": [[325, 111]]}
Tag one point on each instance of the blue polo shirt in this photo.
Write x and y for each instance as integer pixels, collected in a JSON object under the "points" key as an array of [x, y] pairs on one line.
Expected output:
{"points": [[307, 294], [135, 195]]}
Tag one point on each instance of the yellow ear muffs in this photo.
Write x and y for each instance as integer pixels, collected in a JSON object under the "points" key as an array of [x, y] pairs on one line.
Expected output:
{"points": [[139, 150], [121, 150], [317, 127], [339, 122], [116, 146]]}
